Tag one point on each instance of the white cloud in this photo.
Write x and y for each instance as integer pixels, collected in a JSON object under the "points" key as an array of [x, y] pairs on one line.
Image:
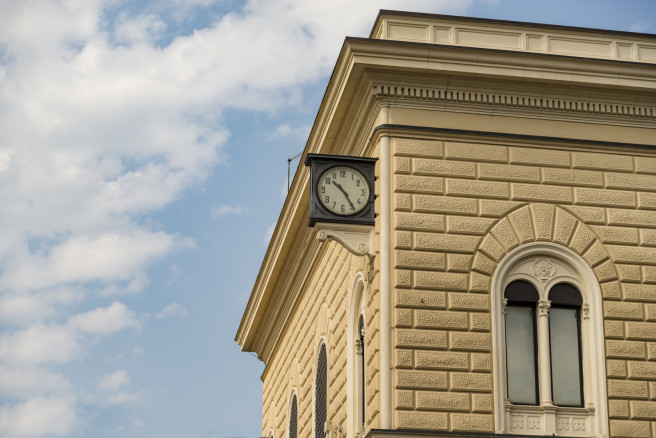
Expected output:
{"points": [[642, 27], [24, 381], [222, 210], [105, 321], [39, 344], [298, 132], [171, 311], [126, 397], [39, 416], [114, 381]]}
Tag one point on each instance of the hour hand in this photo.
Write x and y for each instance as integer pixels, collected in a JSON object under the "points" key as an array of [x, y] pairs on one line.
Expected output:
{"points": [[339, 186]]}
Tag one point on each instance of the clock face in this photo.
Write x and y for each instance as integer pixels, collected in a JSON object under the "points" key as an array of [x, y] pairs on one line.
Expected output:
{"points": [[343, 190]]}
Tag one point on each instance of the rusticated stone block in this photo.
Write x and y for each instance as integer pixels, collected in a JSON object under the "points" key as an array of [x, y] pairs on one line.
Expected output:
{"points": [[614, 329], [442, 401], [647, 201], [651, 312], [539, 156], [644, 164], [484, 264], [479, 321], [481, 362], [419, 221], [475, 151], [467, 225], [440, 280], [605, 272], [629, 273], [469, 341], [468, 301], [420, 338], [403, 318], [610, 198], [476, 188], [441, 319], [641, 330], [420, 260], [402, 165], [458, 262], [479, 282], [622, 310], [627, 389], [481, 403], [649, 274], [403, 201], [543, 219], [492, 248], [404, 358], [651, 351], [472, 422], [632, 254], [642, 370], [652, 390], [582, 238], [648, 237], [445, 242], [402, 278], [564, 227], [418, 184], [624, 217], [573, 177], [541, 193], [611, 291], [497, 208], [629, 428], [630, 181], [589, 215], [422, 420], [413, 147], [625, 349], [405, 399], [442, 204], [615, 368], [403, 240], [420, 299], [619, 235], [639, 292], [442, 360], [618, 409], [421, 379], [443, 167], [586, 160], [475, 382], [507, 172], [643, 409], [523, 224], [505, 234], [595, 254]]}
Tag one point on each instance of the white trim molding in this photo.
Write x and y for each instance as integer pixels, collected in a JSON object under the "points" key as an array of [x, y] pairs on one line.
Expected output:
{"points": [[546, 419]]}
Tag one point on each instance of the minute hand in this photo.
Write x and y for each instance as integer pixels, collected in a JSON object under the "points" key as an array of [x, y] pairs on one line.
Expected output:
{"points": [[339, 186]]}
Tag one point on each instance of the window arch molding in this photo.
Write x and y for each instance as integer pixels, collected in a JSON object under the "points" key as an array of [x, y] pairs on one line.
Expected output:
{"points": [[354, 357], [292, 414], [592, 418]]}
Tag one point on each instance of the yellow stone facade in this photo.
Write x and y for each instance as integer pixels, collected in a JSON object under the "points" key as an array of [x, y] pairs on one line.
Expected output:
{"points": [[492, 138]]}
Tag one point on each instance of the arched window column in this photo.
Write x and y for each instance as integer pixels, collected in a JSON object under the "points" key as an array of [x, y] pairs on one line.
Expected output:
{"points": [[549, 361]]}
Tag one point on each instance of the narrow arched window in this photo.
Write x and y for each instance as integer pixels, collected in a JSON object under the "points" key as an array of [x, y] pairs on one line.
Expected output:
{"points": [[521, 343], [320, 393], [361, 352], [565, 345], [293, 418]]}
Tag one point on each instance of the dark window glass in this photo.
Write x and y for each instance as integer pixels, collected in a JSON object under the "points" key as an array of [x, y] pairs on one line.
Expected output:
{"points": [[320, 393], [521, 291], [293, 419], [565, 294], [362, 369]]}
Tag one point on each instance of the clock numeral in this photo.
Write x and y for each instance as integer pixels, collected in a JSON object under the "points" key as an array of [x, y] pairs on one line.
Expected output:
{"points": [[359, 201], [342, 173], [362, 192], [323, 189], [328, 181], [334, 204], [327, 199], [343, 208], [357, 183], [334, 175]]}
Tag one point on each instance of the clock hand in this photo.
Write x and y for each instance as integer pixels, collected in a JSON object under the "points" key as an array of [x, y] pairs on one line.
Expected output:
{"points": [[339, 186]]}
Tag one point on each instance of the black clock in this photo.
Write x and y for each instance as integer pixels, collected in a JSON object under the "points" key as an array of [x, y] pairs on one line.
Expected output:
{"points": [[341, 189]]}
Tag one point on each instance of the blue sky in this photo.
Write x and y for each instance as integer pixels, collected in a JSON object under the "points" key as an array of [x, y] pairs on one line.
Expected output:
{"points": [[143, 164]]}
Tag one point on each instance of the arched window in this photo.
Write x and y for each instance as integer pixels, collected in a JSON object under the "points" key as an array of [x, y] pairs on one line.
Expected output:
{"points": [[321, 393], [356, 358], [361, 372], [293, 418], [549, 362]]}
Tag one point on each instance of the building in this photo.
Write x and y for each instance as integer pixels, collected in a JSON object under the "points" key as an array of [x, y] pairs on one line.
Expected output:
{"points": [[508, 284]]}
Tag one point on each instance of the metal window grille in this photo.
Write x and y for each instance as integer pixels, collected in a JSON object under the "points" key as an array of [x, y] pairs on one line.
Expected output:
{"points": [[320, 394], [293, 419]]}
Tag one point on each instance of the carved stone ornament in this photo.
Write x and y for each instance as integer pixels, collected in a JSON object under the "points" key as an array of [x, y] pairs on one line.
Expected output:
{"points": [[543, 270], [543, 307], [357, 239]]}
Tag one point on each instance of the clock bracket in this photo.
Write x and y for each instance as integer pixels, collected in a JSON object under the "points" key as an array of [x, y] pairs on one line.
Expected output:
{"points": [[357, 239]]}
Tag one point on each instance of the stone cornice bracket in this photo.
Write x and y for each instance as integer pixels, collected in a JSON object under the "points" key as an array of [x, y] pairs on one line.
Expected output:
{"points": [[357, 239]]}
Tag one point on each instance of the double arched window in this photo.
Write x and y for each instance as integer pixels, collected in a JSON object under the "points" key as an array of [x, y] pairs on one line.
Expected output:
{"points": [[549, 361]]}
